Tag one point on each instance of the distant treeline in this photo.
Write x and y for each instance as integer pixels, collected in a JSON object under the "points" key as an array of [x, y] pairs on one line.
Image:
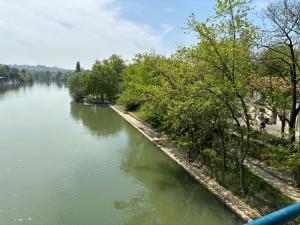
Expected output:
{"points": [[26, 73], [39, 68], [48, 76], [13, 74]]}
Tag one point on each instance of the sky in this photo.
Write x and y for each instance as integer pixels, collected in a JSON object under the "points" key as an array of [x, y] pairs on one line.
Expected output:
{"points": [[62, 32]]}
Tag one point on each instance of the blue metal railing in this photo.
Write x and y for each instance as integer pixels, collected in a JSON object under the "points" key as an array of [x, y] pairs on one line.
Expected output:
{"points": [[279, 217]]}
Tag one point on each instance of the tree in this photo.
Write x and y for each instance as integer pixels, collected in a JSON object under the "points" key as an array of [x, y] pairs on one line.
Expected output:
{"points": [[92, 83], [103, 81], [282, 36], [117, 64], [273, 84], [78, 67], [284, 30], [140, 81], [224, 49], [14, 73], [74, 83], [4, 71]]}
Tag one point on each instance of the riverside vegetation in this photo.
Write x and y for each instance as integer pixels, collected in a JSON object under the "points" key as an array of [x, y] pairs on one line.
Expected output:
{"points": [[201, 96], [25, 73], [13, 74]]}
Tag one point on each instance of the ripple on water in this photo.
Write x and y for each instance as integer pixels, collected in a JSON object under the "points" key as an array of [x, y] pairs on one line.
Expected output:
{"points": [[22, 219]]}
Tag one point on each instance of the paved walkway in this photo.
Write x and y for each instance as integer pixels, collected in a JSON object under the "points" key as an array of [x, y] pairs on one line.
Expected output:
{"points": [[275, 129], [240, 208], [280, 181]]}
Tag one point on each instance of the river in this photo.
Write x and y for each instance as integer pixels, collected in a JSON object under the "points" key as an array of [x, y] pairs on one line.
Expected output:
{"points": [[64, 163]]}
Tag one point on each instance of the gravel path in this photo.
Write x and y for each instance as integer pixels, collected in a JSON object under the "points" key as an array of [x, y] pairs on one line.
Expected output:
{"points": [[280, 181]]}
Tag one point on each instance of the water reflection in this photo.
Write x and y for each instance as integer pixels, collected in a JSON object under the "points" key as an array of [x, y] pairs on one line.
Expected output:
{"points": [[166, 183], [6, 88], [55, 172], [15, 88], [61, 84], [100, 121], [49, 83]]}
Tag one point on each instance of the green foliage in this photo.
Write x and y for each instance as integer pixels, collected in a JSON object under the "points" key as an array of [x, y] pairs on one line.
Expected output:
{"points": [[214, 161], [15, 74], [92, 83], [78, 67], [200, 91], [141, 80], [100, 83], [47, 76], [272, 64], [293, 159], [74, 80]]}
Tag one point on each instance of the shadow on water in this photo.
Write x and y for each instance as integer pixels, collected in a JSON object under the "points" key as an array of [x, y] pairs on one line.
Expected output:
{"points": [[100, 121], [171, 195]]}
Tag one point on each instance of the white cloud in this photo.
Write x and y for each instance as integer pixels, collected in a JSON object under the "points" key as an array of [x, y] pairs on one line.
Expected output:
{"points": [[167, 28], [60, 32]]}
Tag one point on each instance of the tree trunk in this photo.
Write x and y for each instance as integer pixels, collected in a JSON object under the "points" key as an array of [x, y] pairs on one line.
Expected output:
{"points": [[241, 166], [283, 120], [294, 111], [293, 116], [273, 118], [242, 177], [292, 126], [282, 128], [202, 155], [242, 150], [297, 176], [223, 152]]}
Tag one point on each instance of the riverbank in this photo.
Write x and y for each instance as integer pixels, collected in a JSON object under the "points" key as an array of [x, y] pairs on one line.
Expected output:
{"points": [[238, 207]]}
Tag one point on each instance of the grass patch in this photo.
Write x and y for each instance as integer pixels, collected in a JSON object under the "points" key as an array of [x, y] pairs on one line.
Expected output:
{"points": [[260, 194]]}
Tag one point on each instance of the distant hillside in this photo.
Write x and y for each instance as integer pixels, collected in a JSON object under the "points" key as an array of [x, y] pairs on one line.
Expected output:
{"points": [[39, 68]]}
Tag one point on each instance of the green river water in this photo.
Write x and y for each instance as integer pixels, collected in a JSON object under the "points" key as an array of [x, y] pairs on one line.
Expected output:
{"points": [[64, 163]]}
